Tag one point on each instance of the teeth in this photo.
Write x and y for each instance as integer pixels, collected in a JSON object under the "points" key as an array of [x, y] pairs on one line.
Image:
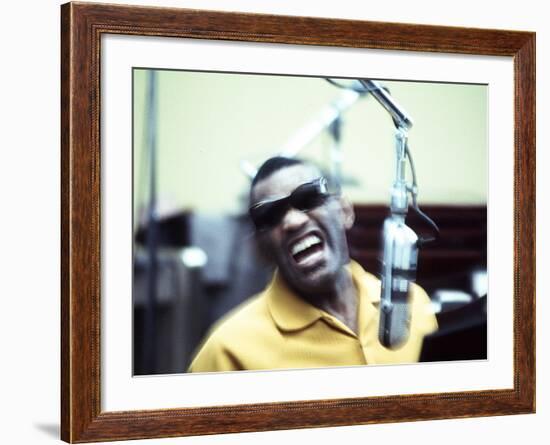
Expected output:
{"points": [[306, 243]]}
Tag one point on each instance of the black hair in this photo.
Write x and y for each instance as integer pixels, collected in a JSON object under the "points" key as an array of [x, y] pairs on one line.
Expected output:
{"points": [[272, 165]]}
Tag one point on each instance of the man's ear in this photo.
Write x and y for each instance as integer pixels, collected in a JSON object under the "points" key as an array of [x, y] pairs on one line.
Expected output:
{"points": [[348, 214], [262, 247]]}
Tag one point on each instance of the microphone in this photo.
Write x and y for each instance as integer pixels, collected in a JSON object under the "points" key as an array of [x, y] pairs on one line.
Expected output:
{"points": [[400, 248], [399, 263], [400, 242], [398, 114]]}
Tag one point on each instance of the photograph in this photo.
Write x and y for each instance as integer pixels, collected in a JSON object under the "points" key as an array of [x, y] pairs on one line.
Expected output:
{"points": [[277, 222], [289, 222]]}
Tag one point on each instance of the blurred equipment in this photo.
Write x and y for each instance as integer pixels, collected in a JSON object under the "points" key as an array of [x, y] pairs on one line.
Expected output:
{"points": [[179, 310], [328, 119], [444, 300], [199, 279], [462, 334]]}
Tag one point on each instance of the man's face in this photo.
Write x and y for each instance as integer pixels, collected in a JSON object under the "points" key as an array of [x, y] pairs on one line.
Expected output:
{"points": [[309, 247]]}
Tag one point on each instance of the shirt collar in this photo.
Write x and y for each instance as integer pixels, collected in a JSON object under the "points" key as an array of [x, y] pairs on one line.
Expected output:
{"points": [[290, 312]]}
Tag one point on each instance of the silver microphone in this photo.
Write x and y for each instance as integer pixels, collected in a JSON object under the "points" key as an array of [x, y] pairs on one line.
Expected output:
{"points": [[400, 249], [401, 243], [398, 271]]}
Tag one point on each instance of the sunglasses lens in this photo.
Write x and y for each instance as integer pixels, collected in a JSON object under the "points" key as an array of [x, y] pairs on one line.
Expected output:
{"points": [[268, 214], [307, 197]]}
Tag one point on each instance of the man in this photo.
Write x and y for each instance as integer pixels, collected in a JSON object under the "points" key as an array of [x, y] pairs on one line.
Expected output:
{"points": [[320, 309]]}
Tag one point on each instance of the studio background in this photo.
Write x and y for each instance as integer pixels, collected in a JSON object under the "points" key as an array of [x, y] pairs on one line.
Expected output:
{"points": [[30, 223]]}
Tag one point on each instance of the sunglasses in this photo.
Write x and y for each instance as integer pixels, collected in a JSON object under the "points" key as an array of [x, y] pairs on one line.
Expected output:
{"points": [[267, 214]]}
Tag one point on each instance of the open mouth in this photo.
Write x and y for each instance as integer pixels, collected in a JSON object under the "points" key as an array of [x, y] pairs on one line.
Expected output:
{"points": [[307, 250]]}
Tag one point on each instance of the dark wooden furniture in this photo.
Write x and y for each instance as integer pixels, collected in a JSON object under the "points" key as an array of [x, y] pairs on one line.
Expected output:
{"points": [[445, 263]]}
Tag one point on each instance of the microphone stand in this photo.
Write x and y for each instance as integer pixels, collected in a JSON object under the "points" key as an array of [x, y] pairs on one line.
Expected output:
{"points": [[328, 118], [400, 256], [401, 243]]}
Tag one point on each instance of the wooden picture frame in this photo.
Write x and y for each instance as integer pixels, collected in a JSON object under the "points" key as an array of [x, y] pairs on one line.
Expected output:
{"points": [[82, 25]]}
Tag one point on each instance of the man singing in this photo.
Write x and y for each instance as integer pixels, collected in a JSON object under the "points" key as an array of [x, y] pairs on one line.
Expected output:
{"points": [[321, 308]]}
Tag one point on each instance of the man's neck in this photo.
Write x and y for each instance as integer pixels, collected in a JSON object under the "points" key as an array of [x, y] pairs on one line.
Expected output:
{"points": [[340, 300]]}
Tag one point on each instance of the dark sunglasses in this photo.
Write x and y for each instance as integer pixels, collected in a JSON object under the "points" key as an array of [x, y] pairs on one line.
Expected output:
{"points": [[267, 214]]}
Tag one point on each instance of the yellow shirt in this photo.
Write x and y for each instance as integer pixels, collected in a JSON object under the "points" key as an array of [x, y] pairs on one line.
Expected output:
{"points": [[278, 329]]}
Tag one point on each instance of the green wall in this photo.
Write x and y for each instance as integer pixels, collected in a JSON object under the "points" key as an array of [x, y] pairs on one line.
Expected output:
{"points": [[209, 122]]}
